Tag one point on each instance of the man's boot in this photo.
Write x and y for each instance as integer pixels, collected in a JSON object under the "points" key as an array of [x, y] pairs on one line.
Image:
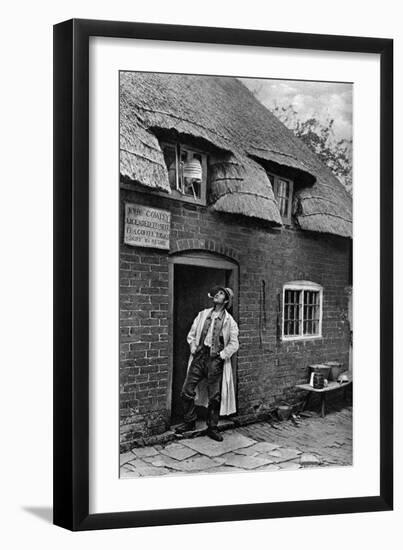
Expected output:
{"points": [[212, 421], [213, 433], [185, 427]]}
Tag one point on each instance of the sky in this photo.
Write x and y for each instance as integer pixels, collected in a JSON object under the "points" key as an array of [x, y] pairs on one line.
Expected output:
{"points": [[323, 100]]}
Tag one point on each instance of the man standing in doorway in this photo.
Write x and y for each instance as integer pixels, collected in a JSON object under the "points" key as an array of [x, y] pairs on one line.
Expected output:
{"points": [[213, 339]]}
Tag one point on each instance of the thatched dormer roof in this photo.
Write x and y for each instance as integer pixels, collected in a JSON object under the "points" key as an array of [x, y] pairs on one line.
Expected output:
{"points": [[241, 186], [224, 114]]}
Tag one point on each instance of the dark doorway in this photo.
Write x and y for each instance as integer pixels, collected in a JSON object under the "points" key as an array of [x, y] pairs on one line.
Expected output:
{"points": [[191, 286]]}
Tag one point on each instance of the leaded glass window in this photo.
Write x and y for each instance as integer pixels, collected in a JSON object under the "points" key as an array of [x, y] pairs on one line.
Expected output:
{"points": [[302, 310]]}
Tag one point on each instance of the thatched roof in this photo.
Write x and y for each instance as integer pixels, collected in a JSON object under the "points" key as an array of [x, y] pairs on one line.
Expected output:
{"points": [[141, 158], [241, 186], [222, 112]]}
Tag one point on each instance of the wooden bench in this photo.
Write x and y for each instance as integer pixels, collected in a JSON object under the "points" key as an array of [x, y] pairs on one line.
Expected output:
{"points": [[330, 387]]}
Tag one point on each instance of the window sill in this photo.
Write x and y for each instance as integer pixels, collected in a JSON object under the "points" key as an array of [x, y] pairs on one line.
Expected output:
{"points": [[301, 338]]}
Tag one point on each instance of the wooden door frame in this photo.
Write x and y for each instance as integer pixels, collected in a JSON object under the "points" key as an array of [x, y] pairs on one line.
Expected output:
{"points": [[199, 259]]}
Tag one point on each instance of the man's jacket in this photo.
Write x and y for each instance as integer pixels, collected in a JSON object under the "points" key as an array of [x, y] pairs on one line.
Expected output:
{"points": [[231, 345]]}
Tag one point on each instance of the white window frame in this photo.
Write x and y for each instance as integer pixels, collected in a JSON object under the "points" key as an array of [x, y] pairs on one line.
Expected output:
{"points": [[176, 193], [301, 286], [274, 180]]}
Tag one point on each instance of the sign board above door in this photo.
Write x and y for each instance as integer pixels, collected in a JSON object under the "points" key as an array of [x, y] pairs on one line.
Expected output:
{"points": [[145, 226]]}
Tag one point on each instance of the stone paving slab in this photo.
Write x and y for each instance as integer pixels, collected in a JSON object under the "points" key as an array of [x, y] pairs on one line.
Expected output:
{"points": [[125, 457], [282, 455], [136, 463], [262, 449], [265, 447], [188, 465], [226, 456], [206, 446], [291, 450], [128, 472], [198, 463], [141, 452], [178, 451], [247, 462], [259, 449], [163, 461], [146, 471], [309, 460], [246, 451]]}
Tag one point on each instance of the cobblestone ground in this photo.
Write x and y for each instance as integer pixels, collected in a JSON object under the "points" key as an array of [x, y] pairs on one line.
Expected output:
{"points": [[310, 441]]}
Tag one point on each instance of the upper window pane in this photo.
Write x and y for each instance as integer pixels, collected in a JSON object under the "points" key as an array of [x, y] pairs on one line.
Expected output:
{"points": [[292, 318], [282, 189], [283, 196], [170, 161], [176, 157]]}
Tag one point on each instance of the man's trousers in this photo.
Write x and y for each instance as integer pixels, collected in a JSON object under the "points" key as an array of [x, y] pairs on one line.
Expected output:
{"points": [[203, 366]]}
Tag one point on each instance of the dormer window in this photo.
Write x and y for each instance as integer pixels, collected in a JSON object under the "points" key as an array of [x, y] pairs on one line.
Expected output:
{"points": [[187, 172], [283, 189]]}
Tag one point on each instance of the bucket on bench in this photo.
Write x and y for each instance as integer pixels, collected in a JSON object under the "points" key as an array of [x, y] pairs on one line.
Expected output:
{"points": [[318, 381], [322, 368], [336, 369]]}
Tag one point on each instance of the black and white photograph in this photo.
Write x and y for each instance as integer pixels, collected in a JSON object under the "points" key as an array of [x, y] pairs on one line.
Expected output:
{"points": [[201, 265], [236, 282]]}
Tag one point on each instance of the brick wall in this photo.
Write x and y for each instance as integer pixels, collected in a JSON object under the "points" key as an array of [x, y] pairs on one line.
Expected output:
{"points": [[268, 368]]}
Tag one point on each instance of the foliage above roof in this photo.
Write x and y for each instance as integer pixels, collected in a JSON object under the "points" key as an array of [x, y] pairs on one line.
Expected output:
{"points": [[223, 113]]}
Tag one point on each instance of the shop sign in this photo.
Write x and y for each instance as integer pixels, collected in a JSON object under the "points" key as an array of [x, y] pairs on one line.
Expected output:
{"points": [[145, 226]]}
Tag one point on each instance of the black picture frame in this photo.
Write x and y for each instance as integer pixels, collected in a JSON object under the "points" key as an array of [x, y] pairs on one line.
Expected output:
{"points": [[71, 274]]}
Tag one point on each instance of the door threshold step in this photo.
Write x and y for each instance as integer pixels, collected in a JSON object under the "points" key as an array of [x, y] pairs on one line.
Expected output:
{"points": [[170, 435], [201, 428]]}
